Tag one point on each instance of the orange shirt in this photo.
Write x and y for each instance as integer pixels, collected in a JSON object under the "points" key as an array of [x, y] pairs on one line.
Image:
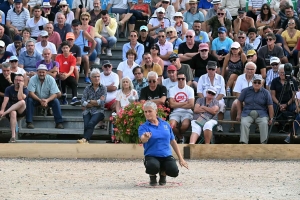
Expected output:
{"points": [[66, 63]]}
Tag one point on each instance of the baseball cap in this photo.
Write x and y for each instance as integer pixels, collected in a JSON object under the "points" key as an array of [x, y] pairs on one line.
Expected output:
{"points": [[70, 35], [42, 67], [257, 77], [241, 10], [17, 38], [44, 33], [212, 89], [203, 46], [274, 60], [211, 64], [222, 29], [144, 28], [171, 68], [251, 52], [235, 45], [13, 58], [160, 9], [105, 62], [76, 22], [216, 2], [2, 44], [173, 55]]}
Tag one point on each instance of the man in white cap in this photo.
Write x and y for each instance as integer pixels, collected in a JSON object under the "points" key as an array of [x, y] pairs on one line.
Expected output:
{"points": [[53, 36], [48, 96], [257, 107], [44, 43], [160, 22], [213, 11], [145, 39], [272, 73], [37, 22], [193, 14]]}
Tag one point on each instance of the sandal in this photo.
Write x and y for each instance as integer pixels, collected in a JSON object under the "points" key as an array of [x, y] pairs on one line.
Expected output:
{"points": [[232, 130], [12, 140]]}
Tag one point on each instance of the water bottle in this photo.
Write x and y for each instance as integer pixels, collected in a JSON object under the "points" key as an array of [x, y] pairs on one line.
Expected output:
{"points": [[228, 92]]}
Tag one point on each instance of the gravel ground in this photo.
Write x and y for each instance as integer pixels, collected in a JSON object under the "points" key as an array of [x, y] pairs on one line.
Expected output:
{"points": [[118, 179]]}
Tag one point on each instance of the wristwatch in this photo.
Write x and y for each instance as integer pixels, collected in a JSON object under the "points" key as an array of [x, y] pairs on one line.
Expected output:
{"points": [[88, 101]]}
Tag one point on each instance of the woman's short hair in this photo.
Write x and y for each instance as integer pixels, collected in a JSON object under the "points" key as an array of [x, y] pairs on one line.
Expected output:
{"points": [[171, 28], [94, 71], [26, 29], [150, 104], [152, 74], [85, 14], [131, 52], [130, 83]]}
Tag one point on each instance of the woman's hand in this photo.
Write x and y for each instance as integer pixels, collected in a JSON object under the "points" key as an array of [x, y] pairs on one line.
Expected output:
{"points": [[183, 163]]}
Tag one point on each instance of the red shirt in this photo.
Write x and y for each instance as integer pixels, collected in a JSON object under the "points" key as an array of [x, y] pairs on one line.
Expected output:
{"points": [[66, 63]]}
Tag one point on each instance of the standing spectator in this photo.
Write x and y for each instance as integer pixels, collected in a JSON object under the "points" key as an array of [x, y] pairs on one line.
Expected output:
{"points": [[105, 29], [160, 22], [52, 66], [46, 12], [260, 63], [17, 17], [272, 73], [182, 101], [95, 13], [145, 39], [255, 105], [139, 11], [53, 36], [242, 22], [4, 55], [241, 39], [6, 80], [188, 49], [200, 36], [81, 6], [93, 100], [193, 14], [254, 8], [166, 49], [37, 22], [125, 68], [14, 104], [61, 27], [44, 43], [149, 65], [17, 47], [213, 11], [232, 6], [182, 68], [44, 97], [5, 38], [65, 10], [139, 81], [135, 45]]}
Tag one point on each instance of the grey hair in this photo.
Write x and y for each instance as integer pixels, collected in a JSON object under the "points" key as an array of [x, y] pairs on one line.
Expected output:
{"points": [[281, 66], [251, 63], [150, 104], [94, 71], [60, 13], [152, 74], [45, 49], [130, 83], [28, 41], [6, 65], [191, 31], [47, 24]]}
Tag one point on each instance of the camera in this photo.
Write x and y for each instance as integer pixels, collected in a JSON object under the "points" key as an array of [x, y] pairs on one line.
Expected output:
{"points": [[288, 70], [80, 6]]}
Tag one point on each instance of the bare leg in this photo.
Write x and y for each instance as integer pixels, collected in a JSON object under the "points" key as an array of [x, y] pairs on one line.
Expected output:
{"points": [[194, 137], [13, 122], [184, 126], [77, 12], [131, 27], [76, 73], [20, 106], [231, 80], [86, 65], [233, 112], [207, 136], [176, 131]]}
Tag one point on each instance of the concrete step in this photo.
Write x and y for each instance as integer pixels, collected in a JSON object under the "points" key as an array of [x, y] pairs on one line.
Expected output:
{"points": [[58, 141], [66, 131]]}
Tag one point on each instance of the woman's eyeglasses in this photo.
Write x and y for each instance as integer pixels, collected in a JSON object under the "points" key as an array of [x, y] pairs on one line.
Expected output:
{"points": [[265, 8], [154, 48], [204, 50], [85, 19]]}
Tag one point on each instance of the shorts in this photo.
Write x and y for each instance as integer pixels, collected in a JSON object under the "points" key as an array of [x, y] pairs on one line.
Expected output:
{"points": [[209, 125], [23, 114], [109, 104], [222, 106], [119, 10], [179, 116]]}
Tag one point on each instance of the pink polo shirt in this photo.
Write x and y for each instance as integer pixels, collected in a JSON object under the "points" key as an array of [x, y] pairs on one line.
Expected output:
{"points": [[164, 49]]}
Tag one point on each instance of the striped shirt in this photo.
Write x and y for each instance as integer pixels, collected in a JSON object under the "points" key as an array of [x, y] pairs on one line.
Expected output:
{"points": [[270, 76], [256, 4], [18, 20]]}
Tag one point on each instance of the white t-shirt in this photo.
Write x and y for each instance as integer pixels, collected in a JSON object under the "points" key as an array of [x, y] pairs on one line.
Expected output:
{"points": [[154, 22], [112, 78], [169, 84], [297, 95], [122, 4], [12, 49], [241, 83], [182, 95], [50, 45], [127, 71], [179, 28], [36, 28], [123, 99], [20, 71]]}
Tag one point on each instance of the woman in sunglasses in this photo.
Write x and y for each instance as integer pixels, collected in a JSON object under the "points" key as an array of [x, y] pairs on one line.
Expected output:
{"points": [[265, 18], [173, 38], [64, 8]]}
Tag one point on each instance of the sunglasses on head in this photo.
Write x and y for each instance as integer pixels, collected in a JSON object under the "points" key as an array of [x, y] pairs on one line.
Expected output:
{"points": [[211, 93], [180, 79], [172, 60], [151, 81], [107, 66], [257, 82], [188, 36]]}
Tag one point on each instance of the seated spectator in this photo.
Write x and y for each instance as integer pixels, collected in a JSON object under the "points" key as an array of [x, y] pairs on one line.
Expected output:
{"points": [[14, 68], [16, 17], [2, 23], [165, 50], [200, 36], [243, 81], [182, 68], [29, 58], [67, 66], [139, 11], [233, 65], [266, 30], [232, 6], [218, 21], [53, 36], [4, 55], [221, 45], [214, 10], [6, 6], [193, 14], [148, 65], [65, 10], [52, 66], [182, 101], [135, 45], [14, 104], [242, 41], [26, 35], [46, 12], [242, 22], [120, 8], [180, 26], [271, 50], [17, 47], [205, 116], [181, 6], [62, 27], [6, 80], [290, 14], [80, 6], [253, 39], [55, 6], [272, 73], [123, 95], [125, 68], [158, 23], [281, 17], [155, 53], [204, 6], [173, 38], [171, 81], [275, 5], [88, 54], [109, 79], [139, 81], [37, 22], [145, 39], [265, 18], [188, 49], [260, 63], [212, 79], [199, 62], [44, 97], [95, 13], [5, 38], [44, 43], [105, 36], [154, 92], [254, 8], [92, 101], [255, 105]]}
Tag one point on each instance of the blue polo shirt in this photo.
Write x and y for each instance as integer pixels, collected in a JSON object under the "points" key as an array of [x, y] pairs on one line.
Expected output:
{"points": [[29, 62], [63, 32], [159, 143], [189, 18]]}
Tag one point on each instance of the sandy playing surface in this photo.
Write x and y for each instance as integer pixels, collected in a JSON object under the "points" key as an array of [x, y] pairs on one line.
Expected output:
{"points": [[118, 179]]}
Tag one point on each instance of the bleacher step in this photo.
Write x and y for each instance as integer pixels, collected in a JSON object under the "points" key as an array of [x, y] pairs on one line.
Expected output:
{"points": [[60, 141], [66, 131]]}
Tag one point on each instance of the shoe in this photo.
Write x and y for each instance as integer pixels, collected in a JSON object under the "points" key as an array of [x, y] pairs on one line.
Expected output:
{"points": [[162, 180], [288, 139], [153, 181], [59, 126], [97, 61], [219, 128], [108, 52], [121, 35], [75, 102], [30, 125], [231, 130], [87, 80], [12, 140], [49, 112], [242, 143], [82, 141], [64, 100]]}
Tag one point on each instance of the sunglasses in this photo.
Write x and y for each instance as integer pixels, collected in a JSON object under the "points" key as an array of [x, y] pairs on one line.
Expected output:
{"points": [[133, 35], [161, 36], [269, 39], [85, 19], [13, 61], [44, 36], [161, 13], [257, 82], [211, 69], [249, 69], [144, 31], [221, 13], [151, 81], [274, 64], [221, 32], [46, 8], [169, 32], [189, 36], [241, 37], [265, 8], [211, 93], [63, 6], [107, 66], [180, 79], [291, 23], [234, 48], [165, 2], [204, 50], [250, 56], [138, 73], [154, 48], [172, 60]]}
